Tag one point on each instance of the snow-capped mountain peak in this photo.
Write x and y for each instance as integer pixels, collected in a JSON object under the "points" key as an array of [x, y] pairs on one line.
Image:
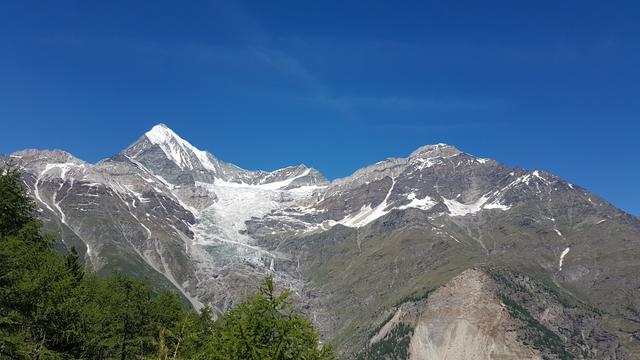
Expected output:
{"points": [[177, 149], [436, 150]]}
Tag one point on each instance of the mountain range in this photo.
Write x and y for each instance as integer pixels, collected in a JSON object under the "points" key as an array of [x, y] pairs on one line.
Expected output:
{"points": [[437, 255]]}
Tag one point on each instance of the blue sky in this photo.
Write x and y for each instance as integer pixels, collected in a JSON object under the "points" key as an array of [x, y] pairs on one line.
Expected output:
{"points": [[336, 85]]}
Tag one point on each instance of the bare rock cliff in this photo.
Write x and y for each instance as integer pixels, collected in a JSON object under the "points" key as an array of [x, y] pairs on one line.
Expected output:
{"points": [[466, 320]]}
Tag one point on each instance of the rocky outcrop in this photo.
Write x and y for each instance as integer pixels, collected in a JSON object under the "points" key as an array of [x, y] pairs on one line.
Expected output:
{"points": [[492, 313], [465, 319]]}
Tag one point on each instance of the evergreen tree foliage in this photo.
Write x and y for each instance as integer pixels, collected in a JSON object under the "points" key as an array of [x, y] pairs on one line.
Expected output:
{"points": [[266, 327], [72, 260], [16, 207]]}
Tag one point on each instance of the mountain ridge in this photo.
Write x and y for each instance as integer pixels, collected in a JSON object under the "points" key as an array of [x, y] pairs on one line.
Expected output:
{"points": [[165, 209]]}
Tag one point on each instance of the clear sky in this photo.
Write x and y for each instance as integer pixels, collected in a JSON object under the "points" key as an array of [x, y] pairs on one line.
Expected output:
{"points": [[336, 85]]}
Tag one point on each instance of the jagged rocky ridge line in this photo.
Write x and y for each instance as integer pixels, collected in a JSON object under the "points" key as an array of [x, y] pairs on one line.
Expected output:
{"points": [[167, 210]]}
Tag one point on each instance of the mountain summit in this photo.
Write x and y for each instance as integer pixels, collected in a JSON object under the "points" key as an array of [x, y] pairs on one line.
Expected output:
{"points": [[537, 253], [177, 150], [165, 153]]}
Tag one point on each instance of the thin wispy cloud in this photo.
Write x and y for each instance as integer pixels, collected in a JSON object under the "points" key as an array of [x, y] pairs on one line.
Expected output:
{"points": [[408, 103], [253, 50]]}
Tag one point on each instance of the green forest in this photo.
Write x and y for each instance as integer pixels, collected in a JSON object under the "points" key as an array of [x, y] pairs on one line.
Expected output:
{"points": [[52, 307]]}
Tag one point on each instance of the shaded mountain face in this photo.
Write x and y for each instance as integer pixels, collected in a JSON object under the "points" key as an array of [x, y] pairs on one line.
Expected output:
{"points": [[353, 249]]}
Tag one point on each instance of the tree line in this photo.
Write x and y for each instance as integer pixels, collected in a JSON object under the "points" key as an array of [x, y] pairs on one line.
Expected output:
{"points": [[52, 307]]}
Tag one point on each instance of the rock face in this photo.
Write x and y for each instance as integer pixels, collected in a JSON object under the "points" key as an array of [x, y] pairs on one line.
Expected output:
{"points": [[354, 248], [465, 319], [480, 314]]}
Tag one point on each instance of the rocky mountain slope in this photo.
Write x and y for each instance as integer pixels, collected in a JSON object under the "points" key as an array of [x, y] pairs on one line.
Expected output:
{"points": [[492, 313], [358, 249]]}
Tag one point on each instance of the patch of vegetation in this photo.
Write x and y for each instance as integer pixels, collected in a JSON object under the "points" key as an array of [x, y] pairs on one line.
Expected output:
{"points": [[377, 329], [542, 281], [543, 338], [414, 297], [394, 346]]}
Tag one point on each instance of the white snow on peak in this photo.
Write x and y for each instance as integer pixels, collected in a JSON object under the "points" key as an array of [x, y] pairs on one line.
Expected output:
{"points": [[430, 155], [161, 134], [177, 149], [426, 149], [537, 174], [564, 253]]}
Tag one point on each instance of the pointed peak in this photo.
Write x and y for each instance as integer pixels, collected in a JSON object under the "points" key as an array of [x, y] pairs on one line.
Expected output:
{"points": [[176, 149], [435, 151], [161, 133], [299, 167]]}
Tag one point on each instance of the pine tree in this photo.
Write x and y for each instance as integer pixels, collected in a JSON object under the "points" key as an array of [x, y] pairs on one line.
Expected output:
{"points": [[266, 326], [72, 260], [34, 281], [16, 207]]}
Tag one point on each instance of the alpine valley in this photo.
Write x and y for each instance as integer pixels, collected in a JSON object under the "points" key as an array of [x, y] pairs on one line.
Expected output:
{"points": [[439, 255]]}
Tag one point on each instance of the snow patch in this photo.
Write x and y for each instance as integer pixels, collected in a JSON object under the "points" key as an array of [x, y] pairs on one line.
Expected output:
{"points": [[424, 204], [62, 167], [136, 194], [496, 205], [276, 185], [36, 191], [284, 183], [423, 163], [368, 214], [564, 253], [459, 209]]}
